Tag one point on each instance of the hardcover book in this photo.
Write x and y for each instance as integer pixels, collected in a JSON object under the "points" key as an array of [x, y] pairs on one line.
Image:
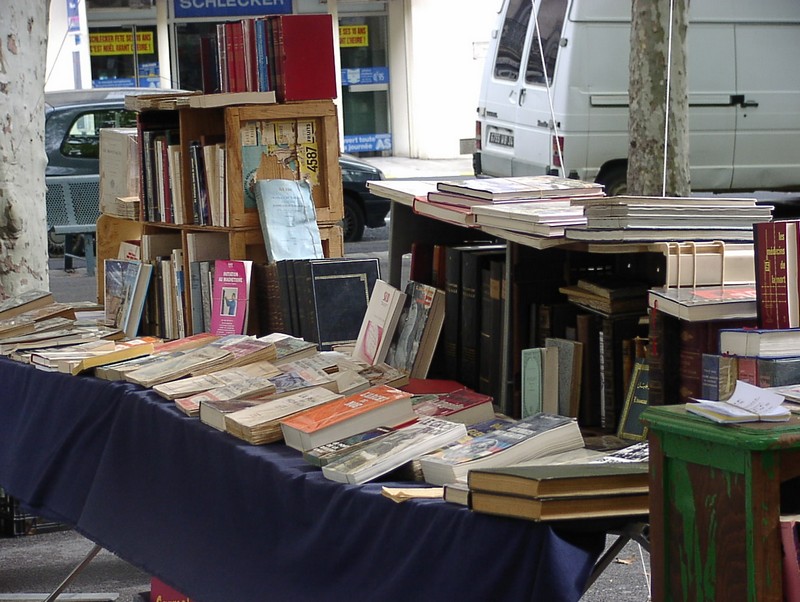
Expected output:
{"points": [[705, 302], [562, 480], [719, 374], [417, 334], [759, 342], [377, 406], [125, 285], [392, 450], [531, 437], [570, 365], [521, 187], [776, 251], [379, 324]]}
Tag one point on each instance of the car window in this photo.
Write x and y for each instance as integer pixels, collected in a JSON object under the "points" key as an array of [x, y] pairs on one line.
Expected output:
{"points": [[83, 139]]}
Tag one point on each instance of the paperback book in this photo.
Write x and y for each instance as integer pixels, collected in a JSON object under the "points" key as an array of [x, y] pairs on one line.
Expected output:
{"points": [[230, 296]]}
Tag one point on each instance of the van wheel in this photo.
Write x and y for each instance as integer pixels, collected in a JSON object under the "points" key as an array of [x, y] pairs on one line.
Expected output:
{"points": [[615, 181]]}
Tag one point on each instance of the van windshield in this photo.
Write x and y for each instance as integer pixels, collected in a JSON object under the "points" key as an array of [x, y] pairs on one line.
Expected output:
{"points": [[510, 49]]}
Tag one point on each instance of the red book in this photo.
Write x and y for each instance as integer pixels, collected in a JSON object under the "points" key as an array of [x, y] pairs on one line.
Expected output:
{"points": [[306, 71], [462, 405], [381, 405], [776, 248]]}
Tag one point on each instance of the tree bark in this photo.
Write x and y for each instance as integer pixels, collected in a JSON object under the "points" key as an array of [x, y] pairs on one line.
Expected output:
{"points": [[23, 229], [648, 100]]}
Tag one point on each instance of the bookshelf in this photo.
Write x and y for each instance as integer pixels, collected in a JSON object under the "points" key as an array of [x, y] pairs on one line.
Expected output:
{"points": [[293, 140]]}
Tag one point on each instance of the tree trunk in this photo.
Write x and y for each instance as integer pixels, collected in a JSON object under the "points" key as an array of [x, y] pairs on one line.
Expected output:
{"points": [[648, 93], [23, 229]]}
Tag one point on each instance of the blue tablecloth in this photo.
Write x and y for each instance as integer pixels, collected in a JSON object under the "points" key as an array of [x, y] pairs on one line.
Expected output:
{"points": [[221, 520]]}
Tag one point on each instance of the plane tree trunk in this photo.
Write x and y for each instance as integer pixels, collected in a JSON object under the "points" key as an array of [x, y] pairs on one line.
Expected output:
{"points": [[650, 27], [23, 229]]}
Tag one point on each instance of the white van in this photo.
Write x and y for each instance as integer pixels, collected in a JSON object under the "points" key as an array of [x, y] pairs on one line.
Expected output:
{"points": [[743, 80]]}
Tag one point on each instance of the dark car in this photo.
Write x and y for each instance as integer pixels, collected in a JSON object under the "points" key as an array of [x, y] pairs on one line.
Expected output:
{"points": [[73, 119]]}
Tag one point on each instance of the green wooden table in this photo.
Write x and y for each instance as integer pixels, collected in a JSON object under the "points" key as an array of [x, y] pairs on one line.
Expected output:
{"points": [[715, 502]]}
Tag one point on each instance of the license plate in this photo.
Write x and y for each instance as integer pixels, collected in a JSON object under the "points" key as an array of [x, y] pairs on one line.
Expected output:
{"points": [[501, 139]]}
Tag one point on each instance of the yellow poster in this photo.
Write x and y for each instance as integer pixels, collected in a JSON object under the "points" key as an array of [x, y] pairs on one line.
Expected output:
{"points": [[120, 42], [352, 36]]}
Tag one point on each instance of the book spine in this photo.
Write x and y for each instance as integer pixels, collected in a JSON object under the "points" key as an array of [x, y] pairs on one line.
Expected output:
{"points": [[773, 242], [452, 312], [778, 372], [486, 355], [470, 319], [196, 297], [206, 280]]}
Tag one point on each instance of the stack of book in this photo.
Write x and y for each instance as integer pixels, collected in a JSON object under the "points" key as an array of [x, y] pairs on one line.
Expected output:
{"points": [[641, 218], [608, 295]]}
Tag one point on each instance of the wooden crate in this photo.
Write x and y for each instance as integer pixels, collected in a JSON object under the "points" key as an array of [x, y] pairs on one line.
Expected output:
{"points": [[332, 240]]}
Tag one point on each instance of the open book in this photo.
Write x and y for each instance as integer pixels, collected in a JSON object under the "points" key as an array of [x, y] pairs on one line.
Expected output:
{"points": [[747, 404]]}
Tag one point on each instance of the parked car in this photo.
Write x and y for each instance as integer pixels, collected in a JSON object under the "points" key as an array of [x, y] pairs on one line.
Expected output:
{"points": [[73, 119]]}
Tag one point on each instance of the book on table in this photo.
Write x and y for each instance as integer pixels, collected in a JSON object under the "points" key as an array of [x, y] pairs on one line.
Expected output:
{"points": [[560, 508], [13, 306], [759, 342], [562, 480], [537, 435], [393, 449], [243, 388], [184, 387], [748, 403], [379, 324], [123, 350], [230, 296], [461, 405], [377, 406], [705, 302], [125, 285], [213, 411], [260, 424], [328, 452], [520, 187], [418, 330]]}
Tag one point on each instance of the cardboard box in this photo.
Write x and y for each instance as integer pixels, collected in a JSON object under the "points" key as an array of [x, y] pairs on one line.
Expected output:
{"points": [[119, 166]]}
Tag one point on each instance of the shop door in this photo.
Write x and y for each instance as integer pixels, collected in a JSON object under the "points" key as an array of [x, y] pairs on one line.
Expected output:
{"points": [[363, 43], [117, 62]]}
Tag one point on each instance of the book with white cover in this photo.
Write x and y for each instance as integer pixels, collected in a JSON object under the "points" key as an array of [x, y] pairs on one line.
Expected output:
{"points": [[393, 449], [377, 329]]}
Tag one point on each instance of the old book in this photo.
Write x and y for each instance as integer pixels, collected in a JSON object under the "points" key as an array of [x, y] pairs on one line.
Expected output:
{"points": [[202, 246], [605, 306], [289, 348], [613, 331], [461, 405], [630, 424], [393, 449], [472, 264], [453, 214], [545, 509], [457, 493], [539, 387], [778, 371], [747, 370], [333, 295], [261, 424], [123, 350], [719, 374], [587, 329], [613, 286], [243, 388], [492, 332], [126, 285], [527, 187], [288, 219], [377, 406], [562, 480], [537, 435], [184, 387], [755, 342], [748, 403], [705, 302], [213, 411], [570, 365], [184, 363], [230, 296], [776, 250], [379, 324]]}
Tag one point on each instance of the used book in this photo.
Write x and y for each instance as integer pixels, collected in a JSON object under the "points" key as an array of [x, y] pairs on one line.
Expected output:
{"points": [[379, 323], [462, 405], [13, 306], [537, 435], [560, 508], [230, 296], [261, 424], [392, 450], [184, 387], [562, 480], [417, 334], [288, 219], [520, 187], [705, 302], [245, 388], [327, 453], [759, 342], [126, 284], [377, 406], [748, 403]]}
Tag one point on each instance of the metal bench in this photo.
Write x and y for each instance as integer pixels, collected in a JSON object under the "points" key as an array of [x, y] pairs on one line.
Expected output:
{"points": [[73, 206]]}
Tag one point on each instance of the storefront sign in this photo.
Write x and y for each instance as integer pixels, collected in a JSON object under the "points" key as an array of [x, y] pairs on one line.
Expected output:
{"points": [[231, 8], [73, 16], [353, 36], [365, 75], [363, 143], [120, 42]]}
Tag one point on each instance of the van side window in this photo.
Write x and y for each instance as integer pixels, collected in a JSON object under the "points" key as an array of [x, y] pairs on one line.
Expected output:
{"points": [[512, 40], [551, 22]]}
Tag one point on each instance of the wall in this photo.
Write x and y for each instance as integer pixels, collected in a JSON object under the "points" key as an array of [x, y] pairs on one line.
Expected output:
{"points": [[445, 43]]}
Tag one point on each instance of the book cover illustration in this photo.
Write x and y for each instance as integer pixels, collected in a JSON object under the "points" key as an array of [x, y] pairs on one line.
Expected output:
{"points": [[125, 284], [230, 296], [288, 219], [418, 330], [380, 321]]}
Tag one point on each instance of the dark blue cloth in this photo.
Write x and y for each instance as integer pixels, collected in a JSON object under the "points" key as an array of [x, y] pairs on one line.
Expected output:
{"points": [[222, 520]]}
